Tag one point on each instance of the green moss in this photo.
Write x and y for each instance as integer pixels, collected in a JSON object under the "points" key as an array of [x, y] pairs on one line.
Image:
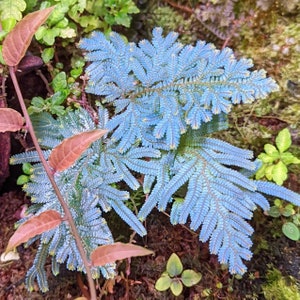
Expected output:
{"points": [[279, 287]]}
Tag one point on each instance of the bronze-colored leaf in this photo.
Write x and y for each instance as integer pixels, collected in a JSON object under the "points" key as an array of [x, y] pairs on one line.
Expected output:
{"points": [[36, 225], [18, 40], [10, 120], [117, 251], [69, 150]]}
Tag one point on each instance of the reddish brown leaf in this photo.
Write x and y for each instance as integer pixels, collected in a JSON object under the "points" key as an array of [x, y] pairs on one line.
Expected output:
{"points": [[117, 251], [10, 120], [69, 150], [18, 40], [36, 225]]}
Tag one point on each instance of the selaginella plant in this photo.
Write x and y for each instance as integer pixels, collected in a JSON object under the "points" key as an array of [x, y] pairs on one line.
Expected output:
{"points": [[159, 101]]}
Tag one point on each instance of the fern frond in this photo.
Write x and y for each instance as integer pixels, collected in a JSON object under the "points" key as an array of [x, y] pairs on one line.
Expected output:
{"points": [[179, 86], [275, 190], [219, 199], [29, 156], [37, 270], [127, 215], [46, 129]]}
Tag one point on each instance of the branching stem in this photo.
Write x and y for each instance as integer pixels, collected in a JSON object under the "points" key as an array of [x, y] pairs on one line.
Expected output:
{"points": [[68, 215]]}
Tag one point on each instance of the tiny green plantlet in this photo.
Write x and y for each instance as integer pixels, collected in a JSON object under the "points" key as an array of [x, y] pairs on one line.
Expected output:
{"points": [[291, 218], [54, 103], [276, 158], [174, 278]]}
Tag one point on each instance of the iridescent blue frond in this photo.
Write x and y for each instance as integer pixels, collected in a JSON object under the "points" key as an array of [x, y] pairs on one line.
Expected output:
{"points": [[218, 199], [181, 85]]}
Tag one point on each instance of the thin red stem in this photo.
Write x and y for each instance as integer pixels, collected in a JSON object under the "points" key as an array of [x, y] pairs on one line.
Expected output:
{"points": [[68, 215]]}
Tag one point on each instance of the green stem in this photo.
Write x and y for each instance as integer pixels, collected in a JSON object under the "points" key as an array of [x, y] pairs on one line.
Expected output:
{"points": [[68, 215]]}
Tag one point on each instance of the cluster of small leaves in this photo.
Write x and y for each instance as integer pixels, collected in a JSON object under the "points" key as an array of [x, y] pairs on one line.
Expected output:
{"points": [[291, 215], [10, 13], [276, 159], [66, 19], [174, 278], [62, 88], [90, 15]]}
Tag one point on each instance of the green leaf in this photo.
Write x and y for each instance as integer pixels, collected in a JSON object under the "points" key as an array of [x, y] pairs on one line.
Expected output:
{"points": [[283, 140], [8, 24], [279, 173], [288, 158], [174, 265], [123, 19], [190, 277], [269, 172], [59, 82], [274, 212], [27, 168], [47, 54], [76, 72], [58, 98], [22, 179], [260, 173], [62, 23], [50, 35], [12, 9], [34, 110], [278, 203], [67, 33], [296, 219], [57, 110], [271, 150], [38, 102], [176, 287], [265, 158], [163, 283], [291, 231], [40, 32], [58, 14], [288, 211]]}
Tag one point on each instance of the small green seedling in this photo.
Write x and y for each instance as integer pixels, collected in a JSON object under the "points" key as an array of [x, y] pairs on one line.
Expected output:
{"points": [[55, 103], [276, 159], [291, 226], [174, 278]]}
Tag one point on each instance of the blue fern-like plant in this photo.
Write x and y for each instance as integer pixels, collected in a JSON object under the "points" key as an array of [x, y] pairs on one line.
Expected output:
{"points": [[164, 100]]}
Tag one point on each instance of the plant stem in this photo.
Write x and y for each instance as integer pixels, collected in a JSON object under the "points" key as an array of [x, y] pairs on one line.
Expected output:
{"points": [[68, 215]]}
